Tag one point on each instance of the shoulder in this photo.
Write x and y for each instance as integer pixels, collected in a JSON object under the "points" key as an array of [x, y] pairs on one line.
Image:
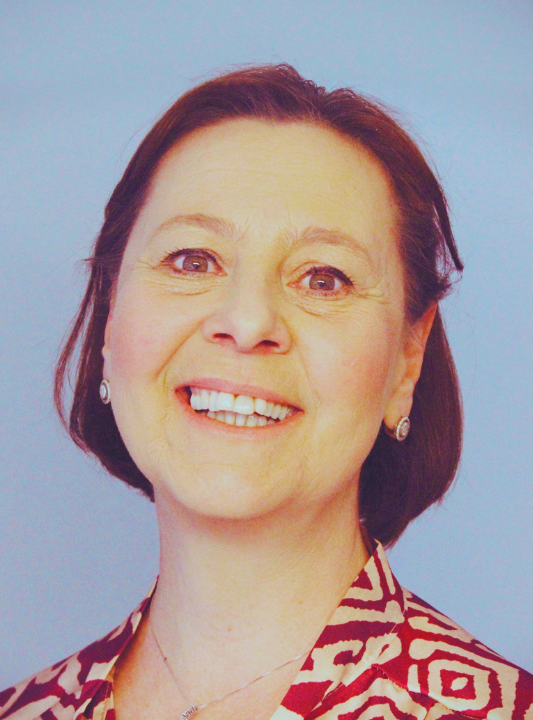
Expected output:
{"points": [[64, 690], [447, 669]]}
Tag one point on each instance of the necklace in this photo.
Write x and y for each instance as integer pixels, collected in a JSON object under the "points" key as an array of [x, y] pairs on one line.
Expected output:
{"points": [[193, 709]]}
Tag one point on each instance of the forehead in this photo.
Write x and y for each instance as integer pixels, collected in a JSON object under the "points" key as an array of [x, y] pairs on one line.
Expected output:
{"points": [[277, 174]]}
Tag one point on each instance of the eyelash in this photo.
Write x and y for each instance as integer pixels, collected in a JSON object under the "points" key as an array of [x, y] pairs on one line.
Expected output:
{"points": [[316, 270]]}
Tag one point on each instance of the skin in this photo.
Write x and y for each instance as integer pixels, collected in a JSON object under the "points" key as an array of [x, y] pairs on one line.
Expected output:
{"points": [[259, 529]]}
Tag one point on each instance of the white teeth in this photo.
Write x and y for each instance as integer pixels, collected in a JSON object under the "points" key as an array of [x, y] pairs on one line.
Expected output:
{"points": [[260, 406], [275, 412], [244, 404], [235, 407], [225, 401], [204, 394], [240, 420]]}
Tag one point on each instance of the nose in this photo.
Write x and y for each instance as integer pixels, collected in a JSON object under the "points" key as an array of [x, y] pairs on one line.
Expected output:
{"points": [[248, 320]]}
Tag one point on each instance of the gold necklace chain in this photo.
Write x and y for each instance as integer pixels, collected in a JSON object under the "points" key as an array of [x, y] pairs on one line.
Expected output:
{"points": [[193, 709]]}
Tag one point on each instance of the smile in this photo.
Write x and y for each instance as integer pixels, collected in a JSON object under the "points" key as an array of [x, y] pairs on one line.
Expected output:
{"points": [[238, 410]]}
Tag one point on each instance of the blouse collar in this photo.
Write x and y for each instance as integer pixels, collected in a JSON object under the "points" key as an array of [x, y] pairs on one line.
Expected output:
{"points": [[356, 636]]}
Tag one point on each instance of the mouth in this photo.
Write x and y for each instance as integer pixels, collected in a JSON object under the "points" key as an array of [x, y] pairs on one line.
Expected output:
{"points": [[237, 408]]}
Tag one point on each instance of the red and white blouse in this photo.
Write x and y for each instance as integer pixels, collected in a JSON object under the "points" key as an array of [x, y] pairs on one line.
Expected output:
{"points": [[385, 655]]}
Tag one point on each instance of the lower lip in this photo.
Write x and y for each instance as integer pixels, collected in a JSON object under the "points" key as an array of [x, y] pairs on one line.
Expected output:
{"points": [[208, 423]]}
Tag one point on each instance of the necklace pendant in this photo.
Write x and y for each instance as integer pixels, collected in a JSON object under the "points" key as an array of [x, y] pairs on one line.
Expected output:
{"points": [[189, 712]]}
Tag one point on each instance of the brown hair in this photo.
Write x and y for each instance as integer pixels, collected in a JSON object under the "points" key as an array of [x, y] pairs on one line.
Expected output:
{"points": [[398, 480]]}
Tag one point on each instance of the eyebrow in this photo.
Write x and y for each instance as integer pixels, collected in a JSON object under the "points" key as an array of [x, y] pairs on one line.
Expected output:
{"points": [[312, 235], [215, 225]]}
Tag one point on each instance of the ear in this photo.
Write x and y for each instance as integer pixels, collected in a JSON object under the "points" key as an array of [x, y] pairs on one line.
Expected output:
{"points": [[409, 368], [106, 349]]}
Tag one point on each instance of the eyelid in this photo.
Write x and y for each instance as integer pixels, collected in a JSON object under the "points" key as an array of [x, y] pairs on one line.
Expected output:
{"points": [[328, 269]]}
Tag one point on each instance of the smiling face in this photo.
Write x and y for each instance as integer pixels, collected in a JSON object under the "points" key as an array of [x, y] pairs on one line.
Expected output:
{"points": [[263, 264]]}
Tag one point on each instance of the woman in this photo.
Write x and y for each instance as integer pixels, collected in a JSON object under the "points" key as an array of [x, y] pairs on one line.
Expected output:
{"points": [[263, 356]]}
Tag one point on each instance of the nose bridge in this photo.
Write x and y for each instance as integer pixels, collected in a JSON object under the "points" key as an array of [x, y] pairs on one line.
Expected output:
{"points": [[252, 306], [249, 314]]}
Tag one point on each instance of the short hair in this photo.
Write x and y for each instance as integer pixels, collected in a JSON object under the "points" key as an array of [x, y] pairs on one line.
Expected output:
{"points": [[398, 480]]}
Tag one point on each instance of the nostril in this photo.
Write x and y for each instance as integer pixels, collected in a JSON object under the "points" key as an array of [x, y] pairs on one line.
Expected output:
{"points": [[226, 338]]}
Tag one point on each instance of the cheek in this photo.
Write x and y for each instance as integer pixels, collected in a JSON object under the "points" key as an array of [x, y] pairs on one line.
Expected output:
{"points": [[352, 367], [146, 330]]}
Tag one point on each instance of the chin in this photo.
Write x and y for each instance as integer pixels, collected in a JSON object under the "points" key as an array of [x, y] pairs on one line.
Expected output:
{"points": [[226, 495]]}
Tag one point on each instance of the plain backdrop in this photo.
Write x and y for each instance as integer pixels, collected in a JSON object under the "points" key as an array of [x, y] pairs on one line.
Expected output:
{"points": [[81, 83]]}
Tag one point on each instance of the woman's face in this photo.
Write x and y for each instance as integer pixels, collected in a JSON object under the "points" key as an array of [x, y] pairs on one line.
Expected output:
{"points": [[263, 264]]}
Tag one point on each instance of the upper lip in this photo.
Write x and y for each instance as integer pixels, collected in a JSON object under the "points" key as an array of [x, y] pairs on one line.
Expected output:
{"points": [[239, 389]]}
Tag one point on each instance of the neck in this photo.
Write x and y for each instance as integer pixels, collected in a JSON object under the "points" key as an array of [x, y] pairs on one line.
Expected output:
{"points": [[255, 592]]}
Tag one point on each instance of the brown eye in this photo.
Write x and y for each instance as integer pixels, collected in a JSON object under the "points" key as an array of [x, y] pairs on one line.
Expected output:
{"points": [[323, 281], [195, 263], [191, 261]]}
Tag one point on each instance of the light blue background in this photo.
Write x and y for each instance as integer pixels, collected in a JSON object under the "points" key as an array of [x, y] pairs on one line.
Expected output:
{"points": [[81, 82]]}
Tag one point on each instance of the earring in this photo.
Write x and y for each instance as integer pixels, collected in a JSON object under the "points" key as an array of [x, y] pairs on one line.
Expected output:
{"points": [[401, 431], [402, 428], [105, 392]]}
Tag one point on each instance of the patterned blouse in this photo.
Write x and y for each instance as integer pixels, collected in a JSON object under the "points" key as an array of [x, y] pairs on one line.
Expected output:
{"points": [[385, 655]]}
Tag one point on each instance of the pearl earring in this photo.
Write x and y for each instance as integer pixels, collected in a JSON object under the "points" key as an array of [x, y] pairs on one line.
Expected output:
{"points": [[105, 392]]}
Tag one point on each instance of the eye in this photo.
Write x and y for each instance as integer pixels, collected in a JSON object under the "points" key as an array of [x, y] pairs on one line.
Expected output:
{"points": [[192, 261], [325, 281]]}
